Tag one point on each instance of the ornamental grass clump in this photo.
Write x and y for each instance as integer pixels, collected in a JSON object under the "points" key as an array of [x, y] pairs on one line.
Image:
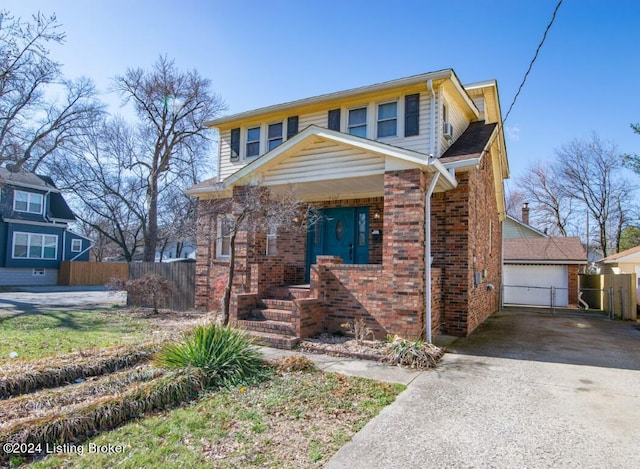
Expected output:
{"points": [[225, 355], [413, 354]]}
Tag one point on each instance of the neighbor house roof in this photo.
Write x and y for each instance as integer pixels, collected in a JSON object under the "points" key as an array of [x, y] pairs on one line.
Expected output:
{"points": [[58, 208], [544, 250], [629, 255]]}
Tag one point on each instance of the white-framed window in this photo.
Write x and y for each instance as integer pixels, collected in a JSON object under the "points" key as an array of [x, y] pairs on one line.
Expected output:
{"points": [[357, 122], [253, 142], [29, 202], [274, 135], [34, 246], [38, 272], [223, 250], [388, 119], [76, 245], [272, 240]]}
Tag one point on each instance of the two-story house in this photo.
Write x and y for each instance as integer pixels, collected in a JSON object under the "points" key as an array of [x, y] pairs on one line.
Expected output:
{"points": [[34, 237], [407, 176]]}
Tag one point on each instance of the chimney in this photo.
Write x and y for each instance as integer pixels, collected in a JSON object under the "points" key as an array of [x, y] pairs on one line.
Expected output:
{"points": [[525, 212]]}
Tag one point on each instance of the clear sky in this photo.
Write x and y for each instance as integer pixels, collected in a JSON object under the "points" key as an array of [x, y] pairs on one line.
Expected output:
{"points": [[257, 53]]}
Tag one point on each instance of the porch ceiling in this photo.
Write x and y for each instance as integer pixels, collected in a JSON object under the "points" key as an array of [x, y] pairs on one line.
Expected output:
{"points": [[335, 189]]}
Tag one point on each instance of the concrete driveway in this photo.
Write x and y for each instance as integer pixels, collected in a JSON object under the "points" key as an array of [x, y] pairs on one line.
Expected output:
{"points": [[524, 390], [38, 299]]}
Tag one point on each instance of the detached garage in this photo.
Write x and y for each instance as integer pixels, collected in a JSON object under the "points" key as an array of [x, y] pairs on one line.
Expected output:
{"points": [[542, 271]]}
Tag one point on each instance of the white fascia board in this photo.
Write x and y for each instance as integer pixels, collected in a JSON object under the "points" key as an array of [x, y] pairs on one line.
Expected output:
{"points": [[44, 188], [35, 223], [462, 164], [415, 79], [79, 235]]}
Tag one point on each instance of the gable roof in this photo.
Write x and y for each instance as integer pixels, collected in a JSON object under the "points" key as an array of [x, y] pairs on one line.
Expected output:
{"points": [[313, 134], [58, 207], [629, 255], [544, 250], [448, 75], [514, 228]]}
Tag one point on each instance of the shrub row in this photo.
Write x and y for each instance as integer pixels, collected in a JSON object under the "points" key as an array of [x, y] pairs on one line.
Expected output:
{"points": [[78, 423], [43, 374]]}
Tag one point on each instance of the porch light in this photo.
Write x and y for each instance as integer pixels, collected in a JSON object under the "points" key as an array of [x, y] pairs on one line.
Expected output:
{"points": [[296, 219], [376, 215]]}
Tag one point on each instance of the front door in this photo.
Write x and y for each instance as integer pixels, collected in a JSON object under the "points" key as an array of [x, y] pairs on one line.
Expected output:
{"points": [[342, 232]]}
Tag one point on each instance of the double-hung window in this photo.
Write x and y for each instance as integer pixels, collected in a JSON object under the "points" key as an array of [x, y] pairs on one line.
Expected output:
{"points": [[224, 236], [28, 202], [358, 122], [35, 246], [253, 141], [76, 245], [274, 136], [387, 119]]}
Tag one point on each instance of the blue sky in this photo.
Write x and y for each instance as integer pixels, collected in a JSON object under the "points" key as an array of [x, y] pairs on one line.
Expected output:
{"points": [[258, 53]]}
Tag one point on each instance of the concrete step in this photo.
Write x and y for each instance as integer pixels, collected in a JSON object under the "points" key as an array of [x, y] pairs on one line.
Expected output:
{"points": [[266, 325], [274, 340]]}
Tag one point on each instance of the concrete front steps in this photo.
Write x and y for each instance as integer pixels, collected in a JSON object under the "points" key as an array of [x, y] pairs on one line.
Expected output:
{"points": [[270, 324]]}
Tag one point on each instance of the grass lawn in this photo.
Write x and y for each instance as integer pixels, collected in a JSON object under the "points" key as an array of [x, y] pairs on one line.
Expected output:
{"points": [[295, 419], [38, 335]]}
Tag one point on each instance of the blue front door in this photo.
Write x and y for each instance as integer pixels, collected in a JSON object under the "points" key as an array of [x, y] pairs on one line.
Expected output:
{"points": [[342, 232]]}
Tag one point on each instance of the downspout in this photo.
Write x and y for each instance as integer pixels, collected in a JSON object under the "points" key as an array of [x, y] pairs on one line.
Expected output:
{"points": [[427, 256], [432, 120]]}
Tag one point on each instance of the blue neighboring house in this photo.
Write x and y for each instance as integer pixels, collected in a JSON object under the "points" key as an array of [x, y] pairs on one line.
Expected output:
{"points": [[34, 234]]}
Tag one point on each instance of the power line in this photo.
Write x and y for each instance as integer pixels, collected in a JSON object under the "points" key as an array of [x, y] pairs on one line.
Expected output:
{"points": [[524, 79]]}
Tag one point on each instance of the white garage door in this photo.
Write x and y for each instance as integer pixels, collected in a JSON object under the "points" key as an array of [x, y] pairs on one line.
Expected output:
{"points": [[531, 284]]}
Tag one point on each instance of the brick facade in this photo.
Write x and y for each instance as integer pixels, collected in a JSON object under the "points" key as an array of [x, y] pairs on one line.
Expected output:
{"points": [[389, 292]]}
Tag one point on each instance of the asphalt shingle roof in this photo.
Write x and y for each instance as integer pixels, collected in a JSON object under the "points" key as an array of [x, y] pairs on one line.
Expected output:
{"points": [[471, 143], [544, 249]]}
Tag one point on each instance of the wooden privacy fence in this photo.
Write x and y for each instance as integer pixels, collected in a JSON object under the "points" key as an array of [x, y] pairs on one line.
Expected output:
{"points": [[91, 273], [181, 274], [613, 293]]}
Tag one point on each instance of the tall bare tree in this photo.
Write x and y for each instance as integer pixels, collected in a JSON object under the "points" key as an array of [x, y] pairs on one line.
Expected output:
{"points": [[552, 206], [172, 107], [33, 125], [591, 173]]}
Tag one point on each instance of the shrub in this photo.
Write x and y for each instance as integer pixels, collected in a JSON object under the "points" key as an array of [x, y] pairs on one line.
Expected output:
{"points": [[413, 354], [150, 289], [225, 355], [294, 363], [359, 329]]}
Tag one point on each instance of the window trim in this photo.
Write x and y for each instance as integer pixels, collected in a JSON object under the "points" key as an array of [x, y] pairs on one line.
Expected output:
{"points": [[366, 120], [73, 243], [220, 236], [250, 142], [272, 240], [378, 120], [28, 252], [281, 137], [29, 195]]}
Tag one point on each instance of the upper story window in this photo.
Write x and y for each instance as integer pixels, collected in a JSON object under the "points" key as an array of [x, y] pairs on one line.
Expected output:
{"points": [[387, 120], [29, 202], [358, 122], [76, 245], [35, 246], [274, 136], [253, 141]]}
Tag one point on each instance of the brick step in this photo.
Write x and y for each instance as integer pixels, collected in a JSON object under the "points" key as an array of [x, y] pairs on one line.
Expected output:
{"points": [[276, 327], [260, 314], [289, 293], [274, 340], [270, 303]]}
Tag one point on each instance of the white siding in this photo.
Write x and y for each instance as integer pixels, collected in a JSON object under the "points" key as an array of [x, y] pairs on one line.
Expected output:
{"points": [[456, 118], [314, 118], [25, 277], [325, 160]]}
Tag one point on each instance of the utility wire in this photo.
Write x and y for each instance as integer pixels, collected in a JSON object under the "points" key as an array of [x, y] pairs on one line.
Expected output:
{"points": [[524, 79]]}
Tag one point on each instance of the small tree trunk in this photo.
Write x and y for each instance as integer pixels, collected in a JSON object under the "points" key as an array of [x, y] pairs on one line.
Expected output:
{"points": [[226, 299]]}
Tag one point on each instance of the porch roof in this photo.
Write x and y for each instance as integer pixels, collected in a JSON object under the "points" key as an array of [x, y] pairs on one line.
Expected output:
{"points": [[327, 163]]}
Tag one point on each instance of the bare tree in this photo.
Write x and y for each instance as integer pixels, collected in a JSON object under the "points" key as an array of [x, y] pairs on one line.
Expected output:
{"points": [[514, 200], [591, 172], [254, 210], [105, 195], [171, 107], [33, 125], [177, 220], [551, 204]]}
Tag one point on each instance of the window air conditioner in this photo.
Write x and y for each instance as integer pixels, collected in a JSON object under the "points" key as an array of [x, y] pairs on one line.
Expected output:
{"points": [[447, 130]]}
